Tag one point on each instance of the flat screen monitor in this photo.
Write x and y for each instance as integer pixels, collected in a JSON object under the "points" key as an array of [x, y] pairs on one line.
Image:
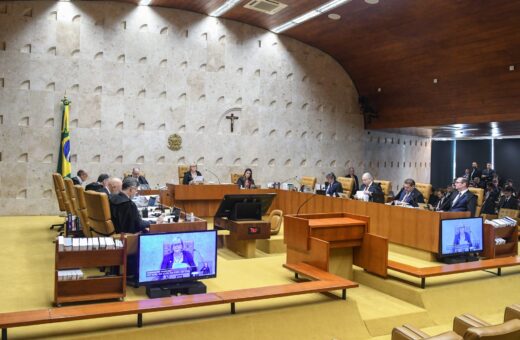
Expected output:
{"points": [[245, 203], [176, 257], [461, 236]]}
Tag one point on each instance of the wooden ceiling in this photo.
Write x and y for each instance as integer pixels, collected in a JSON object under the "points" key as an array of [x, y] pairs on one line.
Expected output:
{"points": [[420, 63]]}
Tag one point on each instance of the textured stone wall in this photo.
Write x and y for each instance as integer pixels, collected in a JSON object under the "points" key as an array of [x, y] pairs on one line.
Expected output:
{"points": [[135, 75]]}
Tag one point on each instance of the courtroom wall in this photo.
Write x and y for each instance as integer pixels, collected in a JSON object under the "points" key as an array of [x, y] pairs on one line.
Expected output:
{"points": [[136, 75]]}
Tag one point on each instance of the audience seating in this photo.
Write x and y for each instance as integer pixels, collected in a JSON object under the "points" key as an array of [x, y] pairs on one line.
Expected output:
{"points": [[275, 218], [308, 181], [408, 332], [348, 185], [82, 210], [181, 170], [425, 189], [480, 198], [234, 177], [471, 327]]}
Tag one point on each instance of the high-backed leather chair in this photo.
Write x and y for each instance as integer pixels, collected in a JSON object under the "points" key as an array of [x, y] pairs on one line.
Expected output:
{"points": [[512, 312], [508, 212], [275, 218], [98, 211], [408, 332], [347, 184], [509, 330], [425, 189], [308, 181], [181, 170], [234, 177], [82, 210], [386, 186], [480, 198], [59, 189]]}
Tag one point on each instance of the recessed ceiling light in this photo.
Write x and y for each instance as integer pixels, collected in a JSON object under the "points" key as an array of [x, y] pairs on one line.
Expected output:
{"points": [[144, 2], [372, 2], [511, 67], [334, 16], [224, 8], [378, 89], [435, 80]]}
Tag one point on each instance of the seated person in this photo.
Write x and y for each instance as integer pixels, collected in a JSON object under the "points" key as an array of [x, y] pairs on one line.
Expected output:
{"points": [[101, 185], [352, 174], [125, 215], [81, 177], [190, 175], [115, 185], [408, 195], [178, 258], [143, 183], [462, 238], [490, 199], [371, 189], [246, 181], [462, 199], [508, 201], [334, 187]]}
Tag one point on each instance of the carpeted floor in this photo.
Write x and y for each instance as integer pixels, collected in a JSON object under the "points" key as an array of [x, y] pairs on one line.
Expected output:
{"points": [[27, 262]]}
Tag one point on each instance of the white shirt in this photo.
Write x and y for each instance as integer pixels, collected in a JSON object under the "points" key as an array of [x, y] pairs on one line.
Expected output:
{"points": [[459, 195]]}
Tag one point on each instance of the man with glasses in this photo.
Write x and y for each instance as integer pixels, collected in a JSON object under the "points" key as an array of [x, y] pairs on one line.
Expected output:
{"points": [[462, 199], [125, 215]]}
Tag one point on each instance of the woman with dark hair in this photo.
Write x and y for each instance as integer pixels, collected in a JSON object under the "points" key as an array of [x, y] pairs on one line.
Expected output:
{"points": [[246, 181], [334, 187]]}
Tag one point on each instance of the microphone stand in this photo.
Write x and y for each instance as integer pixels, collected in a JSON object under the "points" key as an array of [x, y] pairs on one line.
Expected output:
{"points": [[214, 174], [305, 202]]}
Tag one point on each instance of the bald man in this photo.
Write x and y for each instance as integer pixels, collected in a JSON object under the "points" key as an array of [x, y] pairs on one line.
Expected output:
{"points": [[115, 185]]}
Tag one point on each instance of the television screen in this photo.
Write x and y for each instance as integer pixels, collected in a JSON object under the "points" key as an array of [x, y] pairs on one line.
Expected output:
{"points": [[462, 235], [175, 257]]}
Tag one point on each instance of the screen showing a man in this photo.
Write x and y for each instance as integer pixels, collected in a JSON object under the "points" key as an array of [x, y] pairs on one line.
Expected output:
{"points": [[177, 256]]}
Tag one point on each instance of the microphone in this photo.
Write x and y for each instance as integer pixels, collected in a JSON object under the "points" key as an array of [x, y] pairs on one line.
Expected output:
{"points": [[304, 202], [214, 174]]}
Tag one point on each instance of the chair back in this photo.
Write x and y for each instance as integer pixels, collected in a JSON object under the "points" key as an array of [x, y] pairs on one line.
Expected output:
{"points": [[98, 211], [480, 198], [425, 189], [348, 185], [509, 330], [71, 195], [59, 189], [182, 169], [308, 181], [508, 212], [234, 177], [512, 312], [82, 210], [275, 218], [386, 186]]}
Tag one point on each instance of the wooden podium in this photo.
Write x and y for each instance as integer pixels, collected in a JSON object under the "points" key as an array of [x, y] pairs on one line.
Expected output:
{"points": [[335, 241], [243, 234]]}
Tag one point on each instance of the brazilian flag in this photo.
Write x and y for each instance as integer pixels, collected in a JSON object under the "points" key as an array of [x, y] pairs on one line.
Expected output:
{"points": [[64, 167]]}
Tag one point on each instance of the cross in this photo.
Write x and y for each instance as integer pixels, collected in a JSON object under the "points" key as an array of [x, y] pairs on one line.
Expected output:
{"points": [[232, 118]]}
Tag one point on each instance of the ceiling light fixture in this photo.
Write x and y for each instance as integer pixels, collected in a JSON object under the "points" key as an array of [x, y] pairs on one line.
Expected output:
{"points": [[334, 16], [511, 67], [224, 8], [309, 15], [145, 2], [372, 2]]}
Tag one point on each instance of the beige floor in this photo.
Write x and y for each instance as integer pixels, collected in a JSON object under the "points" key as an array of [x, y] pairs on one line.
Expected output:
{"points": [[27, 263]]}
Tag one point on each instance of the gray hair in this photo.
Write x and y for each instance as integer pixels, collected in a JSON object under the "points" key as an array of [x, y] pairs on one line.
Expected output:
{"points": [[130, 182], [368, 175]]}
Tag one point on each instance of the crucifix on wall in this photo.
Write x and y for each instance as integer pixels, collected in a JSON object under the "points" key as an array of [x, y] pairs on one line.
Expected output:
{"points": [[232, 118]]}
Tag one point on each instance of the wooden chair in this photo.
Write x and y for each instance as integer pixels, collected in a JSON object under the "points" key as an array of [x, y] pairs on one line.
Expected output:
{"points": [[181, 170], [234, 177], [348, 185], [275, 218], [59, 189], [480, 198], [82, 210], [408, 332], [308, 182], [425, 189]]}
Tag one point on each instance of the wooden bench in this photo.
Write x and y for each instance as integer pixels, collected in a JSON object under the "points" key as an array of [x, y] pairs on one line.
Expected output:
{"points": [[448, 269], [326, 282]]}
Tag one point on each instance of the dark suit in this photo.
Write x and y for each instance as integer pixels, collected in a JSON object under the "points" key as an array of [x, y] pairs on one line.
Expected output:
{"points": [[188, 177], [412, 199], [466, 236], [376, 191], [76, 180], [355, 187], [474, 172], [466, 202], [511, 203], [95, 186], [489, 204], [143, 183], [242, 183], [334, 189], [125, 215]]}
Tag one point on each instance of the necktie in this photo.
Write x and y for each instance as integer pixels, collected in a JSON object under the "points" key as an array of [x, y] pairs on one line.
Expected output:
{"points": [[456, 199]]}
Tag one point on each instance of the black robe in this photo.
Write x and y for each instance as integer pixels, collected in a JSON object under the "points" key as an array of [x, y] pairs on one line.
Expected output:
{"points": [[125, 215]]}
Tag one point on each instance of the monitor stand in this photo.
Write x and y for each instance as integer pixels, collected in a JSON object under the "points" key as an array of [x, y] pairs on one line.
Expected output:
{"points": [[181, 288], [459, 259]]}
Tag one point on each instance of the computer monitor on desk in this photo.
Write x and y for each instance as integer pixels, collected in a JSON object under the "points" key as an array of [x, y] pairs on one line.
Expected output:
{"points": [[245, 207]]}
